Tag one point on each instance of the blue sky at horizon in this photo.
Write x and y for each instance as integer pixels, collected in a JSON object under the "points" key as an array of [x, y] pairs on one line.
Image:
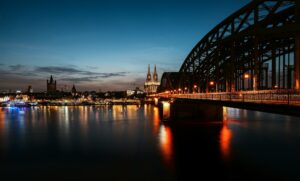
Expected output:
{"points": [[100, 45]]}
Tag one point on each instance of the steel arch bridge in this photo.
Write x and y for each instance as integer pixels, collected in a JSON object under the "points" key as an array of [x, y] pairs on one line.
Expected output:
{"points": [[256, 48]]}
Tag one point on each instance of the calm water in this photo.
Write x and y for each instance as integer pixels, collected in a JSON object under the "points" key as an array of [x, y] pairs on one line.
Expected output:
{"points": [[130, 143]]}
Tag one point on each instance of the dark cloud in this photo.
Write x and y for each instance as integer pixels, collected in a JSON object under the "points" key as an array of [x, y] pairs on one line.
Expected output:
{"points": [[20, 76], [69, 70], [80, 79], [92, 78], [57, 70], [26, 74], [17, 70], [108, 75], [16, 67]]}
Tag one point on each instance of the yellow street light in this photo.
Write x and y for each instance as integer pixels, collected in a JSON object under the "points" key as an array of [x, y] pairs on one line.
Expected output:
{"points": [[246, 76]]}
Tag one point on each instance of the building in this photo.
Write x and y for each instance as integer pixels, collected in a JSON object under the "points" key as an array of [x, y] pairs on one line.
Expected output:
{"points": [[152, 82], [73, 91], [30, 89], [51, 85]]}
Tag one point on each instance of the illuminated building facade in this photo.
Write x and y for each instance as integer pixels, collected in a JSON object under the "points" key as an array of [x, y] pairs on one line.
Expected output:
{"points": [[51, 85], [152, 82]]}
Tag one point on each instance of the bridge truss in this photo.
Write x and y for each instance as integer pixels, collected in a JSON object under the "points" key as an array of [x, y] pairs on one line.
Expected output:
{"points": [[256, 48]]}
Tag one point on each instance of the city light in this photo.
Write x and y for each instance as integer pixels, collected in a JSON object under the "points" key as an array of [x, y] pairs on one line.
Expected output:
{"points": [[211, 83], [246, 76]]}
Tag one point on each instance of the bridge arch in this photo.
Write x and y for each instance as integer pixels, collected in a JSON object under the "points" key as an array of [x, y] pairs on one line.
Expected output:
{"points": [[257, 47]]}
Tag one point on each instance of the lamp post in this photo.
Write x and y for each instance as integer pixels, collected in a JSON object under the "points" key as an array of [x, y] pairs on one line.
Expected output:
{"points": [[211, 84], [179, 91], [195, 88], [246, 77]]}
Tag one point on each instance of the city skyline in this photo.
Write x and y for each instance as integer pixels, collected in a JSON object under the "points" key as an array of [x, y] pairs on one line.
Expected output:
{"points": [[100, 44]]}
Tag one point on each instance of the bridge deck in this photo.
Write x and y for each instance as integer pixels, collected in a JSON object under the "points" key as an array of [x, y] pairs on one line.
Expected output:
{"points": [[284, 97]]}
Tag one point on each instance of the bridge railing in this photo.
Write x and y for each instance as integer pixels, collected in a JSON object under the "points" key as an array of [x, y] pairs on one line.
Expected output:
{"points": [[289, 97]]}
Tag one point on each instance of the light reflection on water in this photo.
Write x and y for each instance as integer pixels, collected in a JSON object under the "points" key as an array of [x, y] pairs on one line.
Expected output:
{"points": [[125, 138], [166, 144], [225, 136]]}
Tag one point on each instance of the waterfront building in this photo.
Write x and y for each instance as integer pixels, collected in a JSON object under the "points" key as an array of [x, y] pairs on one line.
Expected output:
{"points": [[152, 82], [51, 85]]}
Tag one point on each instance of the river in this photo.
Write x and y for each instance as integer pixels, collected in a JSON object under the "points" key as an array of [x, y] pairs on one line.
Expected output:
{"points": [[131, 143]]}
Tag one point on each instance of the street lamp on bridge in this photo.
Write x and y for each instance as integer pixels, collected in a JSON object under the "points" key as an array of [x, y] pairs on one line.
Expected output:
{"points": [[179, 91], [246, 76], [195, 88]]}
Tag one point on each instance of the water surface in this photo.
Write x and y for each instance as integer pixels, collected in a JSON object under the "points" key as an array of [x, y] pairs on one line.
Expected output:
{"points": [[131, 143]]}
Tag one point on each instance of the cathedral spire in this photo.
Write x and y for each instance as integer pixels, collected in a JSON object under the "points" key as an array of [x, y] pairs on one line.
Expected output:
{"points": [[155, 78], [148, 74], [148, 68]]}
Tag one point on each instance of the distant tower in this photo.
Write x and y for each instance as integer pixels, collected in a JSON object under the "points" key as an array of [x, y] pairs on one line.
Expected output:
{"points": [[155, 77], [51, 85], [29, 90], [148, 74], [73, 90], [151, 85]]}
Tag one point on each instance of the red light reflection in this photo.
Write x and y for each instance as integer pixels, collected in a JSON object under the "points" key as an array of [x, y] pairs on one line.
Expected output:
{"points": [[166, 144], [225, 136]]}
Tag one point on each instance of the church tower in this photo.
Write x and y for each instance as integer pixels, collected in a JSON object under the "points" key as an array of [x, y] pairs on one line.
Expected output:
{"points": [[148, 75], [155, 77], [51, 85], [73, 91], [152, 82]]}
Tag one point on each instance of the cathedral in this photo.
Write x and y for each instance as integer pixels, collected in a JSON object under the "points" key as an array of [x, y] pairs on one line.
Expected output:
{"points": [[152, 82], [51, 85]]}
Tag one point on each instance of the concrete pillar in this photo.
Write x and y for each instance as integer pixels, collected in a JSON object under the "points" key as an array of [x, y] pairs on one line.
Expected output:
{"points": [[227, 85], [297, 63], [273, 68], [297, 50]]}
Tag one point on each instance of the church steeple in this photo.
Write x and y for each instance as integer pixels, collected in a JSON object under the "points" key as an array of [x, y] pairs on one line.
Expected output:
{"points": [[51, 79], [148, 74], [51, 85], [155, 78], [151, 82], [73, 91]]}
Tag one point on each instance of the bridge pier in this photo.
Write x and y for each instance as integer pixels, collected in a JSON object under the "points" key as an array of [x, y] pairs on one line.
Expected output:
{"points": [[190, 110], [297, 49]]}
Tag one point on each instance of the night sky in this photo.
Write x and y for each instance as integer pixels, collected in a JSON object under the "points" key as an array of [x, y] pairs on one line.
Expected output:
{"points": [[100, 45]]}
